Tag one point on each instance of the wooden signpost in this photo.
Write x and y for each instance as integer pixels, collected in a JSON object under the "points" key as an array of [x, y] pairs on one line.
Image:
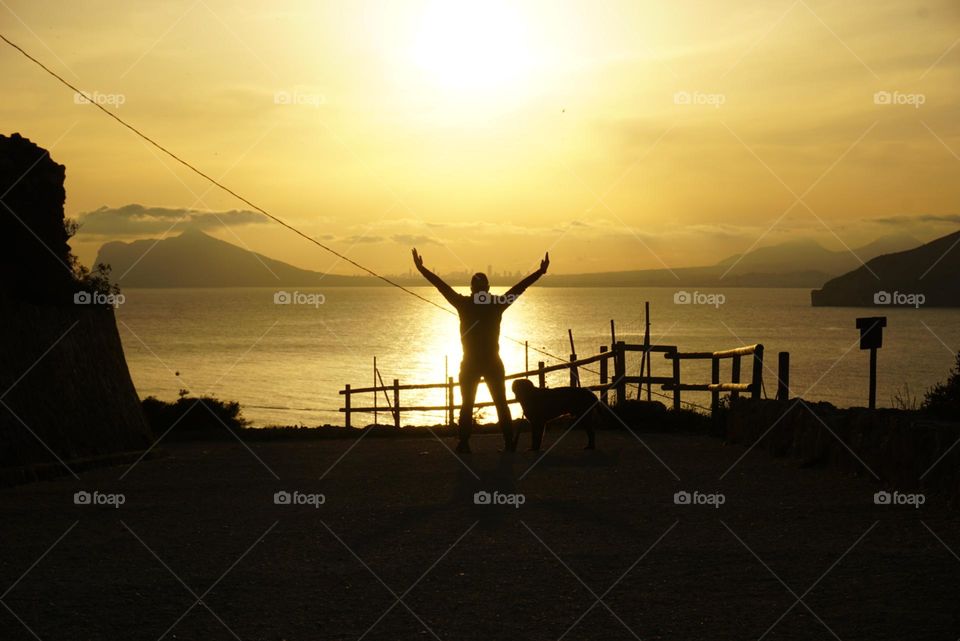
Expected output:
{"points": [[871, 337]]}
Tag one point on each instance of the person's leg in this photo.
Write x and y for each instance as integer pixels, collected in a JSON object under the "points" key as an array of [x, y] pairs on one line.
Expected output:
{"points": [[494, 377], [469, 379]]}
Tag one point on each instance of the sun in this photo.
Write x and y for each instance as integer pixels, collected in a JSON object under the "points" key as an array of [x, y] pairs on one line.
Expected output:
{"points": [[468, 46]]}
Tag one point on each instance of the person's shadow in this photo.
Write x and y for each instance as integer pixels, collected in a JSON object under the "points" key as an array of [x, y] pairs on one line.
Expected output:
{"points": [[471, 481], [475, 480], [477, 486]]}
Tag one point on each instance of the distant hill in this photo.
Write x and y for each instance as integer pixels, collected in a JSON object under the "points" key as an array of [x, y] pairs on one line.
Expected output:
{"points": [[795, 263], [926, 275], [807, 254], [195, 259]]}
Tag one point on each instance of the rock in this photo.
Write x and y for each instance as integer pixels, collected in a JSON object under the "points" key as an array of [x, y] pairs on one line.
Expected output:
{"points": [[34, 254]]}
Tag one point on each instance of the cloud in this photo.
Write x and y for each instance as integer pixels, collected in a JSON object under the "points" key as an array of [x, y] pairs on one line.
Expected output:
{"points": [[138, 220], [414, 239], [358, 239], [949, 219], [403, 230]]}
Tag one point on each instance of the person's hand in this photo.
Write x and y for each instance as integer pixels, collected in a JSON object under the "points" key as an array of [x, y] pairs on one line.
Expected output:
{"points": [[545, 263], [417, 259]]}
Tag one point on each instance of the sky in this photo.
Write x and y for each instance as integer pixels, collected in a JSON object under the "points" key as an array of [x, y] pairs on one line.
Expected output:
{"points": [[616, 135]]}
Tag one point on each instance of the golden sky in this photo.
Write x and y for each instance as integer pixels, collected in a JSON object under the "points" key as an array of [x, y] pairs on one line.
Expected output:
{"points": [[618, 135]]}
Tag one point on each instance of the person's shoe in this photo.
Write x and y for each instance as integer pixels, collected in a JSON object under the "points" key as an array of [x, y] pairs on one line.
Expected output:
{"points": [[463, 447], [509, 442]]}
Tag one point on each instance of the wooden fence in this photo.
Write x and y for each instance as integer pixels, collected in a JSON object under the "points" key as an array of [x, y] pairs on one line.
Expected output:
{"points": [[715, 387], [615, 381]]}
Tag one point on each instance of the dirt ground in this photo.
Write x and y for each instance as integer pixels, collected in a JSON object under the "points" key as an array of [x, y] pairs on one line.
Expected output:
{"points": [[587, 545]]}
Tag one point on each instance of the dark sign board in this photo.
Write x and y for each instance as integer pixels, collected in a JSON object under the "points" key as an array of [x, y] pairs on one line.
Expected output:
{"points": [[871, 331]]}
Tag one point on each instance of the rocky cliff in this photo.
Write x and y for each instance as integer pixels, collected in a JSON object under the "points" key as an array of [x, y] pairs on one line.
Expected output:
{"points": [[66, 396]]}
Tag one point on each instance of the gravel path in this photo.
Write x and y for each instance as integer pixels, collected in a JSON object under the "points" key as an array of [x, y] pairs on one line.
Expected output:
{"points": [[398, 550]]}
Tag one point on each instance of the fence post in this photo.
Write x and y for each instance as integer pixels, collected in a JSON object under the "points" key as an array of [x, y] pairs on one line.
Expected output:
{"points": [[620, 371], [574, 373], [645, 365], [396, 403], [346, 405], [735, 376], [715, 379], [676, 382], [541, 375], [450, 400], [757, 373], [783, 376], [604, 393]]}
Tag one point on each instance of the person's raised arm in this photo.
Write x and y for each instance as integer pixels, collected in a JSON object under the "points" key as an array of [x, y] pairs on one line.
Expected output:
{"points": [[520, 287], [447, 291]]}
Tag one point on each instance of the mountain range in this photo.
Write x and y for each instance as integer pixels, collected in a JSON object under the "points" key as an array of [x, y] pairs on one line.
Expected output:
{"points": [[195, 259]]}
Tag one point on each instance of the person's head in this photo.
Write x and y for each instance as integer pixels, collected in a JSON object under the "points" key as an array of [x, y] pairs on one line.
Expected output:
{"points": [[479, 283]]}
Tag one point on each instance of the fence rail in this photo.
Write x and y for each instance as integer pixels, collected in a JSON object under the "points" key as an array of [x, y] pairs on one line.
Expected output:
{"points": [[616, 382], [715, 387]]}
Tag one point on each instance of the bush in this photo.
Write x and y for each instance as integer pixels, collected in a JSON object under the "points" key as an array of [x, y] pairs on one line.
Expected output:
{"points": [[186, 414], [94, 281], [943, 399]]}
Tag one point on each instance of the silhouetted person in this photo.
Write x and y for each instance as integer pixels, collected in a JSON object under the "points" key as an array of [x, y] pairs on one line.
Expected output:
{"points": [[480, 316]]}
